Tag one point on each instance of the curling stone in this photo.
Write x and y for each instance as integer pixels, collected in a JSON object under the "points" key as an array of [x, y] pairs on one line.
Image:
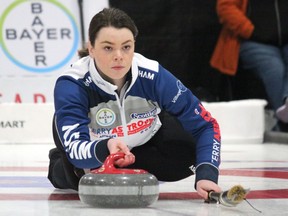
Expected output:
{"points": [[110, 187]]}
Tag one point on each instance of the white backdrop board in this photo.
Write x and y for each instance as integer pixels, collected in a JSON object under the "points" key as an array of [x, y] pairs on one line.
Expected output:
{"points": [[240, 121]]}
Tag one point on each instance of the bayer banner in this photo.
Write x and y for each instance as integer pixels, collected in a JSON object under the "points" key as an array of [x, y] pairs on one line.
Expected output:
{"points": [[38, 40]]}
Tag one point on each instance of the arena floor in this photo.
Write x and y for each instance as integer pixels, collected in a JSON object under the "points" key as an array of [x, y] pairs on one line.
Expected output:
{"points": [[25, 190]]}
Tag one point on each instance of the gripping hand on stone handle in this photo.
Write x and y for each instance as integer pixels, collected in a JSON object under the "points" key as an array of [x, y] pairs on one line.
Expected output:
{"points": [[116, 145]]}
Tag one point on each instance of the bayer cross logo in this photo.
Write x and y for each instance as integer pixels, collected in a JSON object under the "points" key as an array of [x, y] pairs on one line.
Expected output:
{"points": [[105, 117], [38, 36]]}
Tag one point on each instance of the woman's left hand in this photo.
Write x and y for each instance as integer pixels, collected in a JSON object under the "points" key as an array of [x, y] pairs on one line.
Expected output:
{"points": [[205, 186]]}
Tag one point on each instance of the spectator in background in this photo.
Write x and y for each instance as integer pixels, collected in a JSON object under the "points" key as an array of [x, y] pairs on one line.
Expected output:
{"points": [[255, 35]]}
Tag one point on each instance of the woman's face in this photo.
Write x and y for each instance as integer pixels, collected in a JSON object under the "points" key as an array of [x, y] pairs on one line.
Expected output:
{"points": [[113, 52]]}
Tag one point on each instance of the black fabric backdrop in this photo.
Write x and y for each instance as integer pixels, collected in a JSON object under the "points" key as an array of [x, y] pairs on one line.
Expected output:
{"points": [[181, 35]]}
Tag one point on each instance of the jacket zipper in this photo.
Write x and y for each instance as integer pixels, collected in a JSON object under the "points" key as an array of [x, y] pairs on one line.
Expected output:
{"points": [[122, 114]]}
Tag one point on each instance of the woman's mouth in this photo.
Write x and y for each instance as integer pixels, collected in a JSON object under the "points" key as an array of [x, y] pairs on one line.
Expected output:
{"points": [[118, 67]]}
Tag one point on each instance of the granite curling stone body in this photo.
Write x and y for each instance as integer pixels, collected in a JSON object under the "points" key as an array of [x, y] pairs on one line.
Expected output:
{"points": [[110, 187]]}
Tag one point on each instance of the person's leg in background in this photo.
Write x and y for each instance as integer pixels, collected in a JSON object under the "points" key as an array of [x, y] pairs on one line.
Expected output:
{"points": [[282, 112], [266, 62]]}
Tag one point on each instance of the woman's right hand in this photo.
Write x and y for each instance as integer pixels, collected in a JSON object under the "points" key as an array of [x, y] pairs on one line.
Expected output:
{"points": [[116, 145]]}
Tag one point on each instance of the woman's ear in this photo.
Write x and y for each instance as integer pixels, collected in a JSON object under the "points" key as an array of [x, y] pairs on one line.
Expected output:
{"points": [[90, 49]]}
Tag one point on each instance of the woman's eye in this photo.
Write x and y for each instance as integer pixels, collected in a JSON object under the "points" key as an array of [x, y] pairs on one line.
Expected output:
{"points": [[127, 47], [107, 48]]}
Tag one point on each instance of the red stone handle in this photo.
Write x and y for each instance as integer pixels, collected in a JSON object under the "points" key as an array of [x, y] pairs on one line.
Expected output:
{"points": [[109, 168]]}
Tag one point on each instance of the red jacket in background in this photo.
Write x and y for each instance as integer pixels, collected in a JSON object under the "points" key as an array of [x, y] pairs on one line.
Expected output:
{"points": [[235, 25]]}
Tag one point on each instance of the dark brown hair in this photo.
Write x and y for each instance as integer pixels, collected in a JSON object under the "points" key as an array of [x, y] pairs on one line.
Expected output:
{"points": [[108, 17]]}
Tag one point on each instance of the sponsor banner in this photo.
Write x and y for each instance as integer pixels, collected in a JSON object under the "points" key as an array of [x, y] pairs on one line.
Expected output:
{"points": [[27, 90], [39, 39], [26, 123]]}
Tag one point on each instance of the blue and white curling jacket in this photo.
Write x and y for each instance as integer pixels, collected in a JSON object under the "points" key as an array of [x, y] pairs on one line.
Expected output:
{"points": [[88, 111]]}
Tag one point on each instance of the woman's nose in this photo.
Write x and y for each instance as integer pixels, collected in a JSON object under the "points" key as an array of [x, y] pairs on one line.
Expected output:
{"points": [[118, 55]]}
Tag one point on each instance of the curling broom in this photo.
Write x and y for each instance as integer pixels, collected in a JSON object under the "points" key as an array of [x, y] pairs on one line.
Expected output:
{"points": [[229, 198]]}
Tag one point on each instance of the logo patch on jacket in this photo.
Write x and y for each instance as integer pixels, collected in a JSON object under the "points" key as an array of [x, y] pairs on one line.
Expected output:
{"points": [[105, 117], [181, 89], [144, 114]]}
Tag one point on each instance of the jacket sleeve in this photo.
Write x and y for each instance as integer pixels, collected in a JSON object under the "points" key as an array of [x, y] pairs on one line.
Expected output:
{"points": [[182, 103], [232, 14], [71, 121]]}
